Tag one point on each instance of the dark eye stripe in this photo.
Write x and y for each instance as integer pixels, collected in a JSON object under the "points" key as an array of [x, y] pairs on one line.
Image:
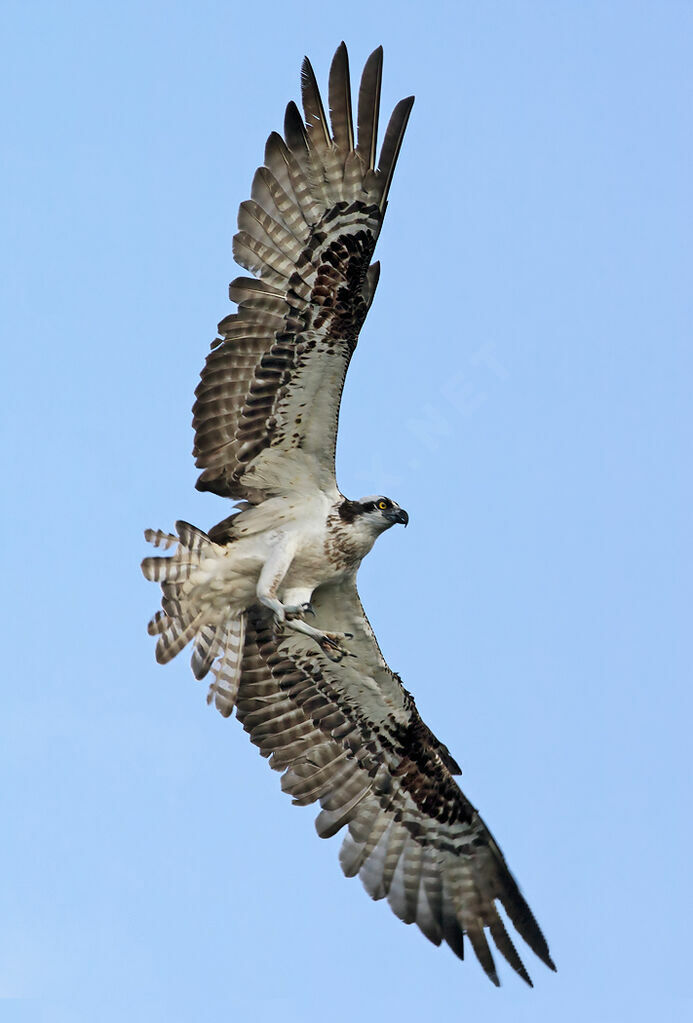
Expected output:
{"points": [[381, 504]]}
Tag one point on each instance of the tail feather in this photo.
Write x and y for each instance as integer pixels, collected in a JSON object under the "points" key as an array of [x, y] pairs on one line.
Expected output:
{"points": [[194, 539], [227, 670], [159, 538], [218, 644], [178, 635], [158, 623], [175, 569], [205, 650]]}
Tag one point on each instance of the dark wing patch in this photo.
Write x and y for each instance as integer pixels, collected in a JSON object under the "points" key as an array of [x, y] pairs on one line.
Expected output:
{"points": [[275, 375]]}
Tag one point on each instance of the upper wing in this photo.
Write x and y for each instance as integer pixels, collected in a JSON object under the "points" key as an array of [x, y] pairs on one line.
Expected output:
{"points": [[349, 735], [272, 384]]}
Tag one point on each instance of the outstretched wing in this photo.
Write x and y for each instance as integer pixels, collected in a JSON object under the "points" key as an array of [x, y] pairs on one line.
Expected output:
{"points": [[349, 735], [268, 401]]}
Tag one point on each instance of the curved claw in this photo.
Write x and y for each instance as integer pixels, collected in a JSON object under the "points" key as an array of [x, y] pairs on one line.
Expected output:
{"points": [[294, 611], [331, 645], [332, 650]]}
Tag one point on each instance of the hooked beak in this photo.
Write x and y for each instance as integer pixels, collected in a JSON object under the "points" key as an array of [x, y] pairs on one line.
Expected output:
{"points": [[396, 515]]}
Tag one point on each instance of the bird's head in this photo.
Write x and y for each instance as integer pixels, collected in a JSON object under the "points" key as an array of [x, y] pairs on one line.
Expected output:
{"points": [[373, 514]]}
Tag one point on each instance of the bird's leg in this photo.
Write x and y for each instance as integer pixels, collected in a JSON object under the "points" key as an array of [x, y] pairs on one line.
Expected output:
{"points": [[272, 576], [297, 602], [331, 643], [296, 605], [299, 610], [291, 614]]}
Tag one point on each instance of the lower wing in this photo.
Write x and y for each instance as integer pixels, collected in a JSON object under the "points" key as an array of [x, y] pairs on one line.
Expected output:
{"points": [[349, 736]]}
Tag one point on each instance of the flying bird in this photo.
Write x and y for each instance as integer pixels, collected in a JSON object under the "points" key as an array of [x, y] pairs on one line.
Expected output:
{"points": [[268, 597]]}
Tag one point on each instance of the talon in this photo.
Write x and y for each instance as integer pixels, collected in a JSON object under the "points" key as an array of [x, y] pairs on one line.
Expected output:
{"points": [[331, 645], [294, 611], [332, 650]]}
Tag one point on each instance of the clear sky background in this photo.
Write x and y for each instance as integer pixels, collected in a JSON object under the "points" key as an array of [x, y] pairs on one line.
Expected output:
{"points": [[522, 387]]}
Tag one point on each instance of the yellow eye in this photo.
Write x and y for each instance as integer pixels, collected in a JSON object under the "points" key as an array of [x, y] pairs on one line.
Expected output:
{"points": [[382, 505]]}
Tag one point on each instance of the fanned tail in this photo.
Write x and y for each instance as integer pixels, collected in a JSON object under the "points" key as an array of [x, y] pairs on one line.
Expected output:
{"points": [[217, 645]]}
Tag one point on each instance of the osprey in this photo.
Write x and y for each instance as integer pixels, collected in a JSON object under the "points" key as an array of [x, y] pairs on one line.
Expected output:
{"points": [[316, 696]]}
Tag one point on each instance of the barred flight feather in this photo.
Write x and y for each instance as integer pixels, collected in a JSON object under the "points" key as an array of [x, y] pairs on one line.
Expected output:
{"points": [[339, 95], [369, 107], [505, 946], [158, 538], [329, 821], [402, 896], [397, 841], [207, 646], [227, 670], [345, 791], [373, 873], [425, 917], [158, 623], [483, 953], [177, 636]]}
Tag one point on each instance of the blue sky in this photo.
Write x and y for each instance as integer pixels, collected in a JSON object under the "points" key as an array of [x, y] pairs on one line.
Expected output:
{"points": [[522, 387]]}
